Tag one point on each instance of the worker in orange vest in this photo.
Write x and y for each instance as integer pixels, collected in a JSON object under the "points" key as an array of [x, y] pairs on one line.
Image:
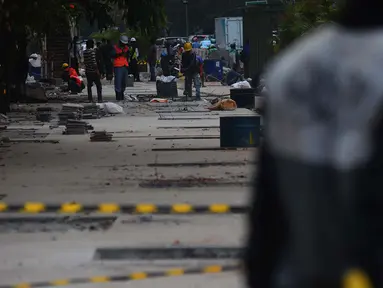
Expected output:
{"points": [[120, 63], [75, 83]]}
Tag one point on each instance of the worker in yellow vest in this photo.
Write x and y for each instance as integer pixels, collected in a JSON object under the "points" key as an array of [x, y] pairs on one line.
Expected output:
{"points": [[133, 63], [120, 54]]}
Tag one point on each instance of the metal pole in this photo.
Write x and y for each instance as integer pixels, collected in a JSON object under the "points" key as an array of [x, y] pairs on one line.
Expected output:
{"points": [[186, 2]]}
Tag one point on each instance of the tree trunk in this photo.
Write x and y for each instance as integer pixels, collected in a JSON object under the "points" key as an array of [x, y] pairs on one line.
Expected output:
{"points": [[6, 60], [21, 67]]}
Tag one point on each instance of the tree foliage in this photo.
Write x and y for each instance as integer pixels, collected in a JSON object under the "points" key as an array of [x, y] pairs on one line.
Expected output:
{"points": [[146, 16], [20, 19], [40, 16], [301, 16]]}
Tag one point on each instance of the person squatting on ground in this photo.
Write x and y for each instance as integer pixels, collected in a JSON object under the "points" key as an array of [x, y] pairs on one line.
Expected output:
{"points": [[133, 59], [69, 75], [92, 70], [120, 54], [191, 69]]}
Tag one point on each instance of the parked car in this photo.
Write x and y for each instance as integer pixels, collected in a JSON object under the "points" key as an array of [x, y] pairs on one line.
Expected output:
{"points": [[173, 40], [200, 37]]}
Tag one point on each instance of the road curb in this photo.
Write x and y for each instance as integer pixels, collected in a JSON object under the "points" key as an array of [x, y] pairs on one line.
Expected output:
{"points": [[169, 253], [211, 269], [114, 208]]}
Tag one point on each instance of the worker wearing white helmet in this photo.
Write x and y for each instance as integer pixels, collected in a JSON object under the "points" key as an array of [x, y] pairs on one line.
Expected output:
{"points": [[133, 59]]}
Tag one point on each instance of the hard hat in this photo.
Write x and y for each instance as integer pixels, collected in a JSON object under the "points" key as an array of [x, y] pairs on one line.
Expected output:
{"points": [[124, 39], [188, 46], [133, 39], [65, 65]]}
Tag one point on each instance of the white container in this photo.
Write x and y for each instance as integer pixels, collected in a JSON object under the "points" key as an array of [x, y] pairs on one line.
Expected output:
{"points": [[259, 102], [229, 30]]}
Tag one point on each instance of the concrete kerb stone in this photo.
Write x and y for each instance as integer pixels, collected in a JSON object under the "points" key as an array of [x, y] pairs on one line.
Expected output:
{"points": [[71, 208], [165, 253], [134, 276]]}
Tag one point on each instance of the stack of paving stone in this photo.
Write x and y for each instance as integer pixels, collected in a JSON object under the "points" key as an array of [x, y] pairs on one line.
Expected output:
{"points": [[76, 127], [92, 111], [101, 136], [44, 114], [70, 111]]}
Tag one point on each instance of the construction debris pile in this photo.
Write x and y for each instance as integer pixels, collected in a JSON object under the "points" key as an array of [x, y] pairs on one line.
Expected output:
{"points": [[70, 112], [101, 136], [76, 127], [44, 114], [93, 111], [223, 105]]}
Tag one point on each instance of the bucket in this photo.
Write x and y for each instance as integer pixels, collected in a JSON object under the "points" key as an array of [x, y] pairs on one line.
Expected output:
{"points": [[259, 102], [239, 131], [129, 81], [244, 97], [167, 89]]}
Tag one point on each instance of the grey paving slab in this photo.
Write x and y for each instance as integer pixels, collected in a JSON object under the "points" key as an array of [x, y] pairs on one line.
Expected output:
{"points": [[77, 170]]}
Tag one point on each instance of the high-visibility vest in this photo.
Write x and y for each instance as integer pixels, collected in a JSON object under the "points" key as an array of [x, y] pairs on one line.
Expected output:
{"points": [[73, 75], [121, 61], [133, 53]]}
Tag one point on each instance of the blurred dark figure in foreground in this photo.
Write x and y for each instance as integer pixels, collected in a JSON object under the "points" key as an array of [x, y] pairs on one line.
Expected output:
{"points": [[106, 51], [100, 60], [317, 211]]}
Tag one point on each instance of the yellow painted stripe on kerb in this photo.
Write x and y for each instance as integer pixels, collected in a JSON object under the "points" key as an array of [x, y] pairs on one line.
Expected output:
{"points": [[175, 272], [3, 207], [71, 208], [34, 207], [182, 208], [213, 269], [109, 208], [62, 282], [146, 208], [138, 276], [219, 208], [23, 285], [99, 279]]}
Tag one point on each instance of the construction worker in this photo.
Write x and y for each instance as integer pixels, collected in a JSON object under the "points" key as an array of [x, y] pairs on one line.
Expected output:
{"points": [[234, 57], [201, 70], [152, 59], [92, 70], [121, 65], [100, 59], [191, 69], [106, 51], [316, 219], [196, 44], [133, 57], [75, 83]]}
